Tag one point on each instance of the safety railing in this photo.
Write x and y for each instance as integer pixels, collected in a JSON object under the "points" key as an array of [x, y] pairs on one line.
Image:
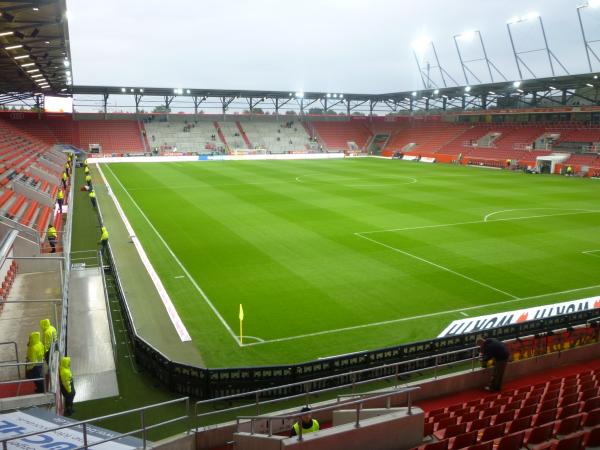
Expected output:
{"points": [[357, 403], [113, 338], [306, 386], [85, 425], [16, 358], [19, 381]]}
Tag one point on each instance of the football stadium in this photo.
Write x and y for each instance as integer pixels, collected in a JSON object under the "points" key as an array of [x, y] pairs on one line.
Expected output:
{"points": [[191, 260]]}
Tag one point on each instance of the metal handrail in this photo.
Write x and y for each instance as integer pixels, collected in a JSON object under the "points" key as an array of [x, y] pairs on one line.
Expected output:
{"points": [[108, 311], [83, 424], [16, 355], [336, 405], [308, 392]]}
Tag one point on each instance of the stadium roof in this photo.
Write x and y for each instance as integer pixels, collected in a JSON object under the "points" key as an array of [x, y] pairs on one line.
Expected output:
{"points": [[527, 93], [34, 40]]}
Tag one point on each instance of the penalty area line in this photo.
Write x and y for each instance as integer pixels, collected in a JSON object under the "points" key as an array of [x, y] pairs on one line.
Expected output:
{"points": [[421, 316]]}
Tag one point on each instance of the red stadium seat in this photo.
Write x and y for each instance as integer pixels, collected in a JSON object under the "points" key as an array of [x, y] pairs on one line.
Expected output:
{"points": [[569, 425], [493, 432], [519, 424], [464, 440], [511, 441]]}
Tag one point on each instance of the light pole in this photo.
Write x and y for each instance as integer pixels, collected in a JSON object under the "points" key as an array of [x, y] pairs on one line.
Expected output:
{"points": [[588, 48], [469, 36]]}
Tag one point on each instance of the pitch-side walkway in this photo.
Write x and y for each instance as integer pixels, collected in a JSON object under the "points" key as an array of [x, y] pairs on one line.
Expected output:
{"points": [[89, 337]]}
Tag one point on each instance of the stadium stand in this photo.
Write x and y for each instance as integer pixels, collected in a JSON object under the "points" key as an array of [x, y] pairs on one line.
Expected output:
{"points": [[336, 134], [170, 135], [114, 136], [275, 135]]}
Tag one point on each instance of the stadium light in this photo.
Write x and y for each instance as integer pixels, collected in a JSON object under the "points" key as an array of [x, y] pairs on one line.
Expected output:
{"points": [[467, 35], [328, 96], [491, 93], [414, 94], [36, 9], [28, 65], [334, 95], [589, 84], [123, 90], [67, 63], [595, 77], [516, 84], [21, 57], [341, 95], [13, 47], [188, 91], [420, 44], [130, 90], [468, 89], [141, 90], [6, 33], [299, 94], [436, 92]]}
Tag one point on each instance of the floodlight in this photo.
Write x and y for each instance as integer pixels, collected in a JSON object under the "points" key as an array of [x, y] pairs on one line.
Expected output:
{"points": [[290, 94], [531, 16], [595, 77], [47, 42], [492, 93], [188, 92], [28, 65], [334, 95], [414, 94], [468, 89], [467, 35], [513, 20], [300, 94], [123, 89], [21, 57], [420, 44], [552, 88], [589, 84], [6, 33], [67, 63], [341, 95], [436, 92], [12, 47], [328, 96], [516, 84], [36, 9], [141, 90], [130, 90]]}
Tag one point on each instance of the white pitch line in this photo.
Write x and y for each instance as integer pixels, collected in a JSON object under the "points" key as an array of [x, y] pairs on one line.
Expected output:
{"points": [[179, 263], [485, 219], [591, 253], [472, 222], [464, 313], [439, 266], [421, 316]]}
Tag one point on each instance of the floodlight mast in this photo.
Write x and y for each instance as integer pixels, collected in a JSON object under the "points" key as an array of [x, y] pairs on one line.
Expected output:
{"points": [[587, 43], [519, 61], [428, 82], [464, 64]]}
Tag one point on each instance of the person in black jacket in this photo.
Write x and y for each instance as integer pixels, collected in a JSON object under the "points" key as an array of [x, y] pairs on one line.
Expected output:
{"points": [[493, 349]]}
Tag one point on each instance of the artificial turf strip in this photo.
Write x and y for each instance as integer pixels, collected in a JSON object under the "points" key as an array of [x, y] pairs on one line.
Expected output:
{"points": [[281, 238]]}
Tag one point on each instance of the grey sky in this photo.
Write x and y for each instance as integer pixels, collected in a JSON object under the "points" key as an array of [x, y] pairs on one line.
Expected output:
{"points": [[359, 46]]}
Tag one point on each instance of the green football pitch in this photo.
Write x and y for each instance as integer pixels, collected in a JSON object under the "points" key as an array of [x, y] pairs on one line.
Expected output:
{"points": [[338, 256]]}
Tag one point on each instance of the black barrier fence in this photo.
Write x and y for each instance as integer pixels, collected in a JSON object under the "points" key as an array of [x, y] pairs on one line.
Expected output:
{"points": [[204, 383]]}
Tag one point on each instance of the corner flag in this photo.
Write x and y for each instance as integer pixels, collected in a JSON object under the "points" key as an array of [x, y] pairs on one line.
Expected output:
{"points": [[241, 320]]}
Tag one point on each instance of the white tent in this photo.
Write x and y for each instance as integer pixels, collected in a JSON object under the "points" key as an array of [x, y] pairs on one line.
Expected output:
{"points": [[550, 161]]}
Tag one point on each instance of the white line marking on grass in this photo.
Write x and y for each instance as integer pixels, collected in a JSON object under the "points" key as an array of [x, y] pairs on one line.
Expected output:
{"points": [[259, 340], [592, 253], [464, 313], [179, 263], [180, 276], [421, 316], [485, 219], [472, 222], [439, 266]]}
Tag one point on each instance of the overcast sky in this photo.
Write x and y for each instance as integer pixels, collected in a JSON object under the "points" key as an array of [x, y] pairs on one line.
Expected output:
{"points": [[358, 46]]}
